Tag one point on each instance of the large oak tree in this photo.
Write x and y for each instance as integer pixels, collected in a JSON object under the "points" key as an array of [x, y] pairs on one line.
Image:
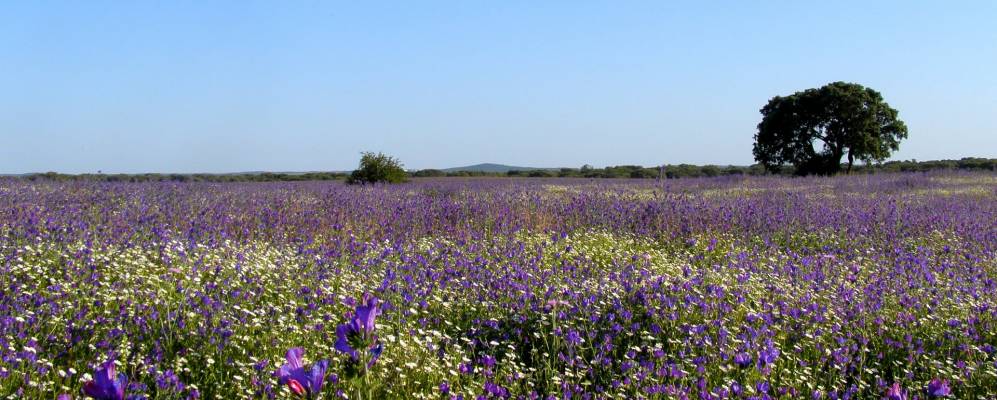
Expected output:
{"points": [[813, 129]]}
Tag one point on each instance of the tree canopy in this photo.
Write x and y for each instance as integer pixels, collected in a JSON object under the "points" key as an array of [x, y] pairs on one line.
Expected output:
{"points": [[376, 168], [813, 129]]}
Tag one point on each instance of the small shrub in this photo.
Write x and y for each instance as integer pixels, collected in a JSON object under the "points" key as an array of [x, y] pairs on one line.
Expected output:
{"points": [[376, 168]]}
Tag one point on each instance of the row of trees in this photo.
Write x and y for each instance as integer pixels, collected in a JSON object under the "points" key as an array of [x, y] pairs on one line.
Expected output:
{"points": [[640, 172], [622, 171], [697, 171]]}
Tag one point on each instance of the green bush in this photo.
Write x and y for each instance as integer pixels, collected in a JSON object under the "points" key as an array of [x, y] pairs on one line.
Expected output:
{"points": [[376, 168]]}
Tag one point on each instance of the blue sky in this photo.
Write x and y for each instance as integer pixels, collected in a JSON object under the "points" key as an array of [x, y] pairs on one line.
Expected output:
{"points": [[296, 86]]}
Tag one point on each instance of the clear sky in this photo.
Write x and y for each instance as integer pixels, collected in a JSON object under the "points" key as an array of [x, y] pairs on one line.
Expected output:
{"points": [[135, 86]]}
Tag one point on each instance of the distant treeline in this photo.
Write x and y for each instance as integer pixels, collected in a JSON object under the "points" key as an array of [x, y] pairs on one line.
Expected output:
{"points": [[619, 171], [695, 171]]}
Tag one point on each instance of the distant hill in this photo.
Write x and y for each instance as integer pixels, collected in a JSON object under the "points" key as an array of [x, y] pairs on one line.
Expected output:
{"points": [[488, 167]]}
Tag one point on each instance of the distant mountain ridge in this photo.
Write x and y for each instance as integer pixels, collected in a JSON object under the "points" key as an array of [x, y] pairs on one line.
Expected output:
{"points": [[490, 167]]}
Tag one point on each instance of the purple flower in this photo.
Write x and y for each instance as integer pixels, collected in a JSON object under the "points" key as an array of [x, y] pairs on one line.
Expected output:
{"points": [[742, 359], [939, 388], [302, 381], [64, 396], [574, 338], [343, 333], [895, 392], [768, 355], [107, 384], [358, 332]]}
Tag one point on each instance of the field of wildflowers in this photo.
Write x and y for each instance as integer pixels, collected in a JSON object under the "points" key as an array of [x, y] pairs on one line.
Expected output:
{"points": [[860, 287]]}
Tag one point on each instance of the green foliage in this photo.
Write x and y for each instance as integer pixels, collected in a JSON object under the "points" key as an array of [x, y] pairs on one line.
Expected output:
{"points": [[429, 173], [710, 170], [643, 173], [967, 163], [813, 129], [378, 168]]}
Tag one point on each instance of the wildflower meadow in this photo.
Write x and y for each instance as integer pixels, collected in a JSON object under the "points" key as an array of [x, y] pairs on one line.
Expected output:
{"points": [[850, 287]]}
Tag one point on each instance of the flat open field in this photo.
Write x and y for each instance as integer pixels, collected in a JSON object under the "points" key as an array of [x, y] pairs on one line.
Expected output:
{"points": [[736, 287]]}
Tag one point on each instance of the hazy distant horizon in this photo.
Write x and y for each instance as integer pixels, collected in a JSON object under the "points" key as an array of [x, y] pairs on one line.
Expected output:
{"points": [[234, 87]]}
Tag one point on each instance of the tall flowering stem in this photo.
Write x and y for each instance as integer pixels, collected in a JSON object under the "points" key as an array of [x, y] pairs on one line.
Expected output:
{"points": [[107, 383], [303, 381], [356, 337]]}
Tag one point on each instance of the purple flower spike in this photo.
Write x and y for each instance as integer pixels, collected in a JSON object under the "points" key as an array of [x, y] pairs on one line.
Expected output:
{"points": [[742, 359], [366, 313], [895, 392], [107, 384], [302, 381], [358, 331], [939, 388], [342, 340]]}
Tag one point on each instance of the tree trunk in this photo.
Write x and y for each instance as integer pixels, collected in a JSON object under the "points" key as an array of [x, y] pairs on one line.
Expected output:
{"points": [[834, 163], [850, 161]]}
